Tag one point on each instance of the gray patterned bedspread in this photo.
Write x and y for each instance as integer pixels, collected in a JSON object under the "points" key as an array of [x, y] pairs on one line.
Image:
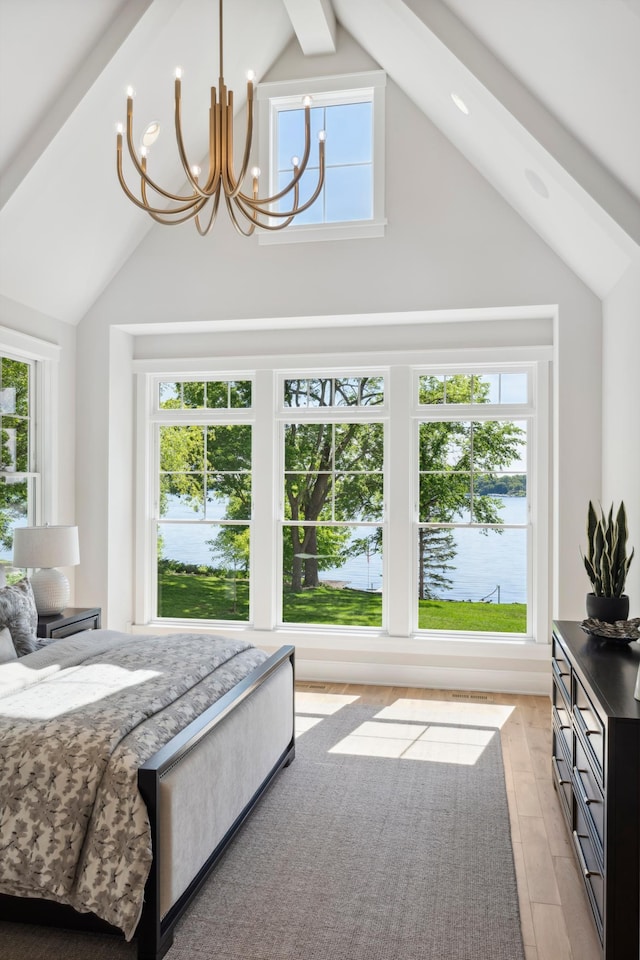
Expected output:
{"points": [[77, 718]]}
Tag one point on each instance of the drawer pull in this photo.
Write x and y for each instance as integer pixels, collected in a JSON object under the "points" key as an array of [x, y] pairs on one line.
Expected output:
{"points": [[583, 866], [583, 796], [593, 733], [562, 782]]}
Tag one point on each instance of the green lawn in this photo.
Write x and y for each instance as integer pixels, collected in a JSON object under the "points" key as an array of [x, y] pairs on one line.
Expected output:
{"points": [[198, 597]]}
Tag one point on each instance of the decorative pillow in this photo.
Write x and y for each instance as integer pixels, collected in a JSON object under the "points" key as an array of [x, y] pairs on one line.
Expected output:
{"points": [[18, 613], [7, 649]]}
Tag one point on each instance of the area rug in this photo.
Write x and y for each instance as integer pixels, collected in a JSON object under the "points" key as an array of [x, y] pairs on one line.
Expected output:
{"points": [[388, 838]]}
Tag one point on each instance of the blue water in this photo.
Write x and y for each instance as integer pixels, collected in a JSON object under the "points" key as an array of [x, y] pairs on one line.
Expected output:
{"points": [[490, 566]]}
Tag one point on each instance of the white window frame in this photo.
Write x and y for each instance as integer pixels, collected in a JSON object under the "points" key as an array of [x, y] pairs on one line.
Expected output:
{"points": [[203, 416], [44, 358], [325, 91], [399, 412], [433, 413]]}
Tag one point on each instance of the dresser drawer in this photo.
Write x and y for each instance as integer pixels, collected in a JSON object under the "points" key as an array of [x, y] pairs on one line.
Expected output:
{"points": [[590, 726], [561, 669], [589, 793], [590, 867], [562, 718], [561, 768]]}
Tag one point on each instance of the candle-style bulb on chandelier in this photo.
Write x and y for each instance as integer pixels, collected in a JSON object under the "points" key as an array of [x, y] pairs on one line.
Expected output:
{"points": [[204, 188]]}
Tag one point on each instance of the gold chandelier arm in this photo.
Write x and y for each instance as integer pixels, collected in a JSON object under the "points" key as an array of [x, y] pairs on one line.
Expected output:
{"points": [[234, 220], [247, 145], [170, 217], [215, 165], [297, 171], [141, 170], [257, 204], [144, 204], [203, 231], [198, 190]]}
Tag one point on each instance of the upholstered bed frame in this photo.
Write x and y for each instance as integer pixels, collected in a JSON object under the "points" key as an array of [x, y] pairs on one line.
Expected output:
{"points": [[198, 788]]}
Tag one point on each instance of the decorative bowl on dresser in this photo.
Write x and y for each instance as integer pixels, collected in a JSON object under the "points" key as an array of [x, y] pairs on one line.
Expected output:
{"points": [[596, 772]]}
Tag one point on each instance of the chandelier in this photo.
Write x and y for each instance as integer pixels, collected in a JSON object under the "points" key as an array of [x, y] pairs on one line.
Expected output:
{"points": [[246, 210]]}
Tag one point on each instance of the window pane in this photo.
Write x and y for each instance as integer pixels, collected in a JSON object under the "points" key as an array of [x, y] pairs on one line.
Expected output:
{"points": [[203, 571], [348, 193], [229, 497], [240, 393], [229, 448], [182, 449], [291, 136], [308, 496], [349, 133], [15, 444], [344, 567], [445, 445], [431, 389], [501, 495], [182, 496], [358, 496], [359, 446], [14, 511], [14, 393], [306, 188], [472, 580], [193, 396], [170, 395], [308, 446]]}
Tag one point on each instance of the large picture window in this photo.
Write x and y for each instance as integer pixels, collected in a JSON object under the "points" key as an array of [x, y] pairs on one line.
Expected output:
{"points": [[393, 500]]}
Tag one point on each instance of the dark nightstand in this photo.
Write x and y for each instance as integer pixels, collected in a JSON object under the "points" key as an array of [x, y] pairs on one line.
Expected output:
{"points": [[55, 626]]}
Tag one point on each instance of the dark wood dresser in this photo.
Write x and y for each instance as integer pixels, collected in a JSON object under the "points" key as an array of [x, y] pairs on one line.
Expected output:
{"points": [[596, 769]]}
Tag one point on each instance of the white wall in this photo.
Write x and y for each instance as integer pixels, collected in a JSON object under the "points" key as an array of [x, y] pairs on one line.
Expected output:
{"points": [[451, 242], [621, 412]]}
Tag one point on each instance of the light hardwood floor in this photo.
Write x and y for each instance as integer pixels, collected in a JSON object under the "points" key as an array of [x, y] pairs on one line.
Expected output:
{"points": [[556, 917]]}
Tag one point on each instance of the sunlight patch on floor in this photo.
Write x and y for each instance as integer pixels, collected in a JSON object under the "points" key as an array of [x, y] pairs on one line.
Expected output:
{"points": [[321, 703], [436, 744], [448, 711]]}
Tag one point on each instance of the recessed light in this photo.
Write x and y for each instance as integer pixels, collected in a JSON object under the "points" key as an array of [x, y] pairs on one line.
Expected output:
{"points": [[537, 183], [150, 135], [460, 104]]}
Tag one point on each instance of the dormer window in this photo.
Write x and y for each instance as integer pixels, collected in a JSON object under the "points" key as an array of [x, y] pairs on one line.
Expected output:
{"points": [[350, 111]]}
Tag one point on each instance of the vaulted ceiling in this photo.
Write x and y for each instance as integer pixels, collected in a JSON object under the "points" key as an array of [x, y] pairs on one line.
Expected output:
{"points": [[552, 89]]}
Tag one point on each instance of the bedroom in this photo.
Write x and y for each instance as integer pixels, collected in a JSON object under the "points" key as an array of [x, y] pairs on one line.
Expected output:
{"points": [[471, 261]]}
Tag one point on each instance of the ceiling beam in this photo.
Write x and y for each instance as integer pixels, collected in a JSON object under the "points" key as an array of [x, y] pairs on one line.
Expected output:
{"points": [[315, 25]]}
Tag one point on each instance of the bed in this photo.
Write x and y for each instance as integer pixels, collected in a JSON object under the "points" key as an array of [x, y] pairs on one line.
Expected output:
{"points": [[127, 764]]}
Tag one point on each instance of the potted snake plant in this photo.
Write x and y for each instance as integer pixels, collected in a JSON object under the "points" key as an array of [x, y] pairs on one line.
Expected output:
{"points": [[607, 564]]}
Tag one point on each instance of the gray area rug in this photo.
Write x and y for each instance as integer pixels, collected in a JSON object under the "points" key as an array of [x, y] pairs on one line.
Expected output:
{"points": [[351, 856]]}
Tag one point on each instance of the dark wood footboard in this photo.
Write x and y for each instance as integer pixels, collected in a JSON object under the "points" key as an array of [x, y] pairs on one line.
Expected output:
{"points": [[154, 934]]}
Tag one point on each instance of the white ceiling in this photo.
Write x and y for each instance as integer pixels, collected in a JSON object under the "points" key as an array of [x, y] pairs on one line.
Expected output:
{"points": [[552, 87]]}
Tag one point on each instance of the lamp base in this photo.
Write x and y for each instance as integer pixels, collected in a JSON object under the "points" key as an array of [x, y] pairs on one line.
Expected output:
{"points": [[51, 590]]}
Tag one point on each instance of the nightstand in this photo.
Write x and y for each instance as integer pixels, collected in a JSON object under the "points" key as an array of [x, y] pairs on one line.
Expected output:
{"points": [[55, 626]]}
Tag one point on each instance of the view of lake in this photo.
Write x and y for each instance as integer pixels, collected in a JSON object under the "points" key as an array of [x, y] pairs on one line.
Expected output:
{"points": [[489, 566]]}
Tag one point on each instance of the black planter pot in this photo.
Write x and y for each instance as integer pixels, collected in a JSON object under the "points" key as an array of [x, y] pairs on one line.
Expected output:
{"points": [[607, 609]]}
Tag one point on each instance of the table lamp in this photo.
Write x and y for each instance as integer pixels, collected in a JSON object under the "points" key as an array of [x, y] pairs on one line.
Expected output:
{"points": [[43, 549]]}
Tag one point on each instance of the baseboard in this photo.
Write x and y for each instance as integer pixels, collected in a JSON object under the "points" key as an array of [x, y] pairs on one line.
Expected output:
{"points": [[428, 677]]}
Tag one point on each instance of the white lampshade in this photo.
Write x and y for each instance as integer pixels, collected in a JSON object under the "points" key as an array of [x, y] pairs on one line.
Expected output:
{"points": [[45, 548], [48, 546]]}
